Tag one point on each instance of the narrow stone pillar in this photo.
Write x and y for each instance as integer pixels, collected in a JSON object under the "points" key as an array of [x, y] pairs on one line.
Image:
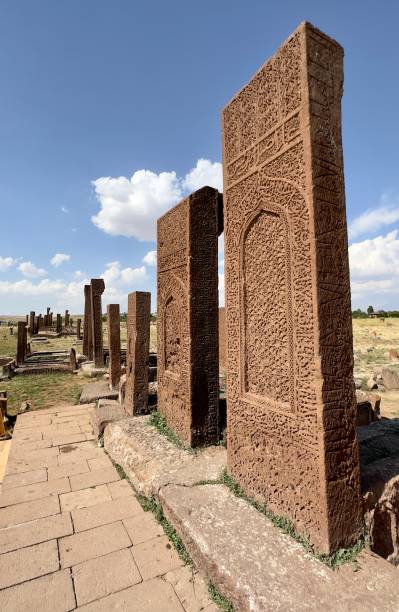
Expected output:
{"points": [[21, 342], [291, 397], [187, 323], [78, 328], [114, 345], [137, 352], [66, 318], [96, 290], [59, 324], [32, 322], [39, 322], [72, 359], [87, 325], [50, 319]]}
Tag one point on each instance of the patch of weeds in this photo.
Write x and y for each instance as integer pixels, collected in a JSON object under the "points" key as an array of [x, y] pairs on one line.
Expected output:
{"points": [[333, 560], [218, 598], [159, 422], [121, 472]]}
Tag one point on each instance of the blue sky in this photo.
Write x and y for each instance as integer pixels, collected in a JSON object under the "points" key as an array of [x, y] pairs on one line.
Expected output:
{"points": [[98, 88]]}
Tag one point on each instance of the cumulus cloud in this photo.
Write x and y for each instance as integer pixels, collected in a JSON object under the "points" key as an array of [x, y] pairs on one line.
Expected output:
{"points": [[58, 259], [29, 269], [114, 274], [374, 219], [204, 173], [374, 269], [130, 207], [150, 258], [64, 209], [6, 263]]}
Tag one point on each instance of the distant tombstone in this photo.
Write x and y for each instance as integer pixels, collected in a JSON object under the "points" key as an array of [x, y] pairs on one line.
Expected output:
{"points": [[187, 318], [32, 322], [291, 398], [78, 329], [58, 327], [114, 345], [87, 325], [137, 352], [72, 359], [21, 343], [393, 354], [97, 288], [66, 321], [11, 331]]}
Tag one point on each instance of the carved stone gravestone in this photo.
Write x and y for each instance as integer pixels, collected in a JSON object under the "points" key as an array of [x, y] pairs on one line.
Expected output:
{"points": [[96, 289], [137, 352], [187, 323], [114, 345], [88, 325], [291, 398]]}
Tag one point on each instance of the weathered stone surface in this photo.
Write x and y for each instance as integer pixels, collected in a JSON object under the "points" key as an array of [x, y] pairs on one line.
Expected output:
{"points": [[35, 532], [58, 589], [29, 511], [259, 568], [151, 461], [105, 512], [92, 543], [114, 345], [95, 391], [97, 287], [84, 498], [78, 328], [187, 319], [222, 339], [87, 325], [291, 401], [72, 359], [100, 577], [27, 563], [107, 411], [156, 557], [137, 352], [390, 378], [93, 478], [21, 343]]}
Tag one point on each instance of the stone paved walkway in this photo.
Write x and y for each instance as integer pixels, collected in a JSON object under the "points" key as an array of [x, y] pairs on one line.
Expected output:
{"points": [[72, 533]]}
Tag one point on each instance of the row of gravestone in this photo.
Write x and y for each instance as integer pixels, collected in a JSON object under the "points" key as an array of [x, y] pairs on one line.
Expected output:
{"points": [[291, 439]]}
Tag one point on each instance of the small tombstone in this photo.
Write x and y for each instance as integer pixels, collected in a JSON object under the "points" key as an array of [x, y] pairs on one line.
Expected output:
{"points": [[393, 354], [72, 359], [11, 331]]}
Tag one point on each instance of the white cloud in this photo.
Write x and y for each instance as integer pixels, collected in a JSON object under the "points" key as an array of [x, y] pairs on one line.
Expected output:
{"points": [[30, 270], [372, 220], [131, 207], [6, 263], [150, 258], [116, 276], [205, 173], [375, 271], [78, 274], [59, 258], [64, 209]]}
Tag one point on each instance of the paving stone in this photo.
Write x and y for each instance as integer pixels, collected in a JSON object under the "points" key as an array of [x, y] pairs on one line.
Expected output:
{"points": [[156, 557], [120, 489], [97, 390], [92, 479], [21, 455], [71, 453], [52, 593], [69, 469], [92, 543], [191, 589], [28, 563], [143, 597], [29, 511], [33, 422], [26, 478], [143, 527], [53, 431], [34, 532], [105, 575], [34, 491], [69, 439], [17, 467], [99, 462], [35, 445], [84, 498], [28, 434], [106, 512]]}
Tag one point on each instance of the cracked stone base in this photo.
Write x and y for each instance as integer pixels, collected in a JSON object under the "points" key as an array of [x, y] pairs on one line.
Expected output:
{"points": [[251, 562]]}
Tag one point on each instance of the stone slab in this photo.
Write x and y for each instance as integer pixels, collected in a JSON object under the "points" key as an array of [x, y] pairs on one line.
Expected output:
{"points": [[150, 460], [106, 512], [214, 525], [95, 391], [107, 411], [143, 597], [29, 511], [120, 489], [92, 543], [28, 563], [35, 532], [155, 557], [105, 575], [84, 498], [58, 589], [69, 469], [26, 478], [142, 527], [34, 491], [92, 479]]}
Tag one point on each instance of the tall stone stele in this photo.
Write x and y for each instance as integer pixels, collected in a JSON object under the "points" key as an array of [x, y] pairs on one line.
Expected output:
{"points": [[290, 392], [87, 325], [137, 352], [114, 345], [21, 343], [32, 328], [97, 287], [187, 317], [78, 328]]}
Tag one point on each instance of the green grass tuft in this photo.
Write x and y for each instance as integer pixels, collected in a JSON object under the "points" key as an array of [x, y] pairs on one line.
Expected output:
{"points": [[218, 598], [159, 422]]}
